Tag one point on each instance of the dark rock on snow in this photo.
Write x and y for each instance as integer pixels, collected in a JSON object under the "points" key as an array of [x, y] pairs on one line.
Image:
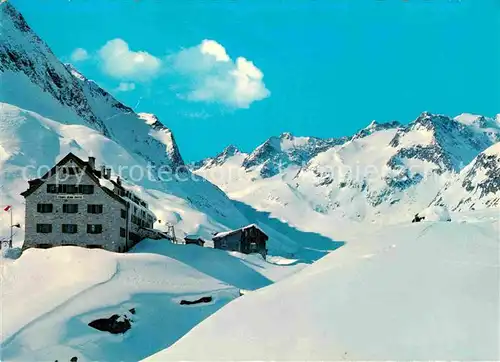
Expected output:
{"points": [[114, 324], [201, 300]]}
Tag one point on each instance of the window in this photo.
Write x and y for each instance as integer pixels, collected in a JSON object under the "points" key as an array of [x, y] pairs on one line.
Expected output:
{"points": [[69, 228], [70, 208], [94, 209], [86, 189], [94, 228], [223, 243], [44, 208], [124, 214], [69, 171], [44, 228], [51, 188], [68, 189], [44, 246], [122, 232]]}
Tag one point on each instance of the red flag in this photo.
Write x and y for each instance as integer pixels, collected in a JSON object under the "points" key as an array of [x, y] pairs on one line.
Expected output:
{"points": [[7, 208]]}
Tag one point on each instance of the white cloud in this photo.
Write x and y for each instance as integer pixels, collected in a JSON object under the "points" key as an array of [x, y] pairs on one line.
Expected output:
{"points": [[125, 87], [212, 76], [118, 61], [79, 55], [211, 47]]}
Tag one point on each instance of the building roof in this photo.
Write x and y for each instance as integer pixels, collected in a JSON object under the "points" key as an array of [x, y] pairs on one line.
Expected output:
{"points": [[92, 173], [232, 232], [194, 238]]}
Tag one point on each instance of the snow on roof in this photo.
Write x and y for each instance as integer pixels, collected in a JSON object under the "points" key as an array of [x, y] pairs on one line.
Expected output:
{"points": [[230, 232], [107, 183]]}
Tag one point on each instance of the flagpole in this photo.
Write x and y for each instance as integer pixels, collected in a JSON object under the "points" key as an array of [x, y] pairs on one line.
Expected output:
{"points": [[11, 227]]}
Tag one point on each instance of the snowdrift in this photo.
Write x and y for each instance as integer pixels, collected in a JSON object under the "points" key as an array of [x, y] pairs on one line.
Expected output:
{"points": [[435, 213], [66, 288]]}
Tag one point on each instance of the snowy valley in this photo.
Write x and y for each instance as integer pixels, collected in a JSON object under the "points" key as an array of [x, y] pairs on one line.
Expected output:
{"points": [[348, 276]]}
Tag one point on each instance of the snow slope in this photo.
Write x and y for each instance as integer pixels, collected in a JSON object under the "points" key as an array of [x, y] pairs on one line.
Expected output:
{"points": [[425, 291], [31, 141], [71, 292], [34, 79]]}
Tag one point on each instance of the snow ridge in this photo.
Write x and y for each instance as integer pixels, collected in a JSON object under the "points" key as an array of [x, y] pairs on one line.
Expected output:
{"points": [[384, 173]]}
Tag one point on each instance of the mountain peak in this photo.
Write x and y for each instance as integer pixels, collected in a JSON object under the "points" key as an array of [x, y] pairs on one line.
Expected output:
{"points": [[16, 17], [287, 136], [478, 121], [39, 82], [231, 150], [375, 126], [218, 160]]}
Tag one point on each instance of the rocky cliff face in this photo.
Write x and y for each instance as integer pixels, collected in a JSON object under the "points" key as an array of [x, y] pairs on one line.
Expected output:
{"points": [[278, 153], [218, 160], [444, 141], [24, 54], [477, 186]]}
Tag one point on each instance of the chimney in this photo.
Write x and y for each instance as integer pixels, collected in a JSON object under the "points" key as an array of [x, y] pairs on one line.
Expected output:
{"points": [[118, 181], [91, 163], [103, 171], [107, 173]]}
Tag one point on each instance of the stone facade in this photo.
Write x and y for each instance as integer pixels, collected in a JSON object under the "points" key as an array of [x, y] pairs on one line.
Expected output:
{"points": [[95, 228]]}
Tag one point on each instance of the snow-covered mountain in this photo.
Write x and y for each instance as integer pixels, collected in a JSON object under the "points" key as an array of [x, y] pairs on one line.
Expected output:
{"points": [[370, 300], [48, 109], [280, 152], [275, 154], [30, 144], [384, 173], [34, 79], [477, 186]]}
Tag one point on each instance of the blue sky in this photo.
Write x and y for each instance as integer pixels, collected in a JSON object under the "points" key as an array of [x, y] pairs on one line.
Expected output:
{"points": [[311, 67]]}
